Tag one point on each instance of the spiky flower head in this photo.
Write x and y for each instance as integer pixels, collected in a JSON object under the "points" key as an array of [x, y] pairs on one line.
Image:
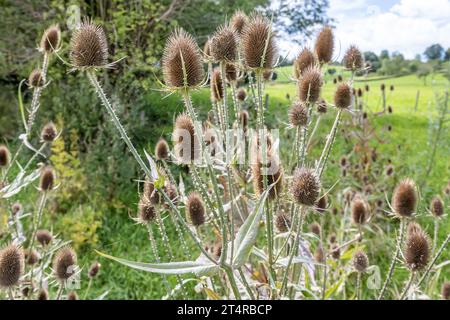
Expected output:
{"points": [[238, 21], [241, 94], [224, 44], [217, 88], [88, 46], [413, 227], [42, 294], [162, 150], [207, 49], [319, 255], [305, 186], [305, 60], [231, 72], [146, 211], [259, 50], [445, 291], [360, 261], [353, 59], [437, 206], [417, 250], [94, 269], [16, 208], [325, 45], [187, 145], [195, 209], [72, 295], [64, 263], [267, 75], [12, 264], [47, 179], [404, 199], [315, 228], [298, 114], [50, 39], [150, 193], [4, 156], [322, 204], [36, 79], [182, 61], [335, 251], [310, 85], [343, 96], [360, 211], [322, 106], [274, 175], [49, 132], [31, 256], [44, 237], [282, 222]]}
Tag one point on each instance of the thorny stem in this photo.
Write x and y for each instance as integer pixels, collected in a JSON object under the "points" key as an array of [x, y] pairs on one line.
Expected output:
{"points": [[60, 290], [232, 280], [408, 285], [328, 145], [36, 95], [36, 224], [394, 258], [154, 248], [88, 289], [438, 254], [246, 285], [311, 136], [358, 286]]}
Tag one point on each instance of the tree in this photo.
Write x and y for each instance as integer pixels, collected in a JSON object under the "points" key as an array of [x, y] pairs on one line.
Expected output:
{"points": [[371, 57], [384, 55], [434, 52], [424, 71], [447, 55]]}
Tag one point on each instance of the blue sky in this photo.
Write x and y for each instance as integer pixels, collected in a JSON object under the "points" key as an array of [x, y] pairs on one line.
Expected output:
{"points": [[407, 26]]}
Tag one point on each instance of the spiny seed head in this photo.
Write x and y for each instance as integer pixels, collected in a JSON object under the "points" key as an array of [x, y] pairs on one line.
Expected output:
{"points": [[47, 179], [360, 92], [36, 79], [389, 170], [146, 211], [282, 222], [150, 192], [332, 238], [231, 72], [382, 87], [325, 45], [310, 85], [181, 49], [43, 294], [162, 150], [322, 204], [243, 118], [305, 60], [353, 59], [171, 192], [360, 212], [51, 39], [267, 75], [437, 206], [446, 291], [195, 209], [207, 49], [238, 21], [305, 186], [259, 49], [417, 250], [64, 263], [315, 228], [335, 251], [12, 262], [187, 145], [274, 175], [241, 94], [16, 208], [391, 87], [343, 96], [360, 261], [298, 114], [49, 132], [413, 227], [404, 199], [367, 88], [72, 295], [319, 255], [88, 46], [224, 44], [31, 256], [217, 88], [322, 106], [44, 237], [4, 156], [94, 269]]}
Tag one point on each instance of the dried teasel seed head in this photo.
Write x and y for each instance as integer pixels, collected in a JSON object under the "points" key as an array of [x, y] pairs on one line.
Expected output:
{"points": [[207, 49], [322, 106], [353, 59], [12, 264], [274, 176], [49, 132], [217, 250], [332, 238], [305, 60], [162, 150], [88, 46], [267, 75], [182, 50], [382, 87], [360, 92], [259, 49], [217, 88], [36, 79], [146, 211], [195, 209], [64, 263], [319, 255], [171, 192], [241, 94], [404, 199], [243, 118], [43, 294], [305, 186], [445, 291], [343, 96], [238, 21], [335, 252], [187, 144], [367, 88], [315, 228], [47, 179], [360, 261], [4, 156], [231, 72], [391, 87], [44, 237], [94, 269], [72, 295], [282, 222], [16, 208], [31, 257], [437, 206], [224, 44], [310, 85], [322, 204], [360, 211], [50, 39], [417, 250], [150, 192], [325, 45], [389, 171], [298, 114], [413, 227]]}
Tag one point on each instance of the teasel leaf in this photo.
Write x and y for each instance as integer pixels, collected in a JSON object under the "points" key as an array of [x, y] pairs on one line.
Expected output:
{"points": [[183, 267], [21, 181], [153, 167]]}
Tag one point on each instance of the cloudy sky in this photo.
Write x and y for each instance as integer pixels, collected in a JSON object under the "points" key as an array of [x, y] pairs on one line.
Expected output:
{"points": [[407, 26]]}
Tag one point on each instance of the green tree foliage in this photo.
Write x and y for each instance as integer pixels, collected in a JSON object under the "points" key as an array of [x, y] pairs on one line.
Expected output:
{"points": [[434, 52], [372, 57]]}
